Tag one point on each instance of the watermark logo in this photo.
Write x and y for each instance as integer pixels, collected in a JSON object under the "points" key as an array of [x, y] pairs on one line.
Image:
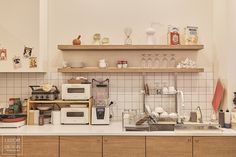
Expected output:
{"points": [[12, 145]]}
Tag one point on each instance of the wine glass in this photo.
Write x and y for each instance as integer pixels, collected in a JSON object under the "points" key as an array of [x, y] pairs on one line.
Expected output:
{"points": [[156, 61], [149, 61], [128, 32], [172, 61], [164, 61], [143, 61]]}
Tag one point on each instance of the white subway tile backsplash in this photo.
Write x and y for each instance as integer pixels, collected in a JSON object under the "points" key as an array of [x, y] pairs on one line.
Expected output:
{"points": [[124, 88]]}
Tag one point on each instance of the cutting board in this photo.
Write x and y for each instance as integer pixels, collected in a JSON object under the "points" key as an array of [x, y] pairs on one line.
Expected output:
{"points": [[219, 92]]}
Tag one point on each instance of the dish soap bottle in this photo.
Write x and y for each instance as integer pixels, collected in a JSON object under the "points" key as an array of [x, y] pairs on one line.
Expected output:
{"points": [[221, 118], [227, 119]]}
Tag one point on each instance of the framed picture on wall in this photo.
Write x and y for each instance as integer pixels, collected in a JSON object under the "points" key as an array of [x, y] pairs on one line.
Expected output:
{"points": [[3, 54]]}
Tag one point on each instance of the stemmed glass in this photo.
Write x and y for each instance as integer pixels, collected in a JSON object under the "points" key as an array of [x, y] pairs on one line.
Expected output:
{"points": [[164, 61], [156, 61], [143, 61], [149, 61], [172, 61]]}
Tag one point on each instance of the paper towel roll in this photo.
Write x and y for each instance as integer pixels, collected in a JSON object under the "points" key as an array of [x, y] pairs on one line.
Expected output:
{"points": [[56, 117]]}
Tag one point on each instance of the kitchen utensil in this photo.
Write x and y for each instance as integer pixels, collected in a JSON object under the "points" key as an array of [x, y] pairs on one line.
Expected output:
{"points": [[39, 94], [219, 92]]}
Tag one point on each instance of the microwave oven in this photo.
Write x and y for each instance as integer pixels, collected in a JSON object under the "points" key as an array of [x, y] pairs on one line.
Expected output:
{"points": [[78, 115], [76, 91]]}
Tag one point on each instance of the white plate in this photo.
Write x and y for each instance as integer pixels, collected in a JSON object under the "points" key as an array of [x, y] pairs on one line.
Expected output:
{"points": [[44, 108]]}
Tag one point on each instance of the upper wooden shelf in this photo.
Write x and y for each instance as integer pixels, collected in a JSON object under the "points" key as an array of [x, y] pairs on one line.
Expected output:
{"points": [[129, 47], [130, 70]]}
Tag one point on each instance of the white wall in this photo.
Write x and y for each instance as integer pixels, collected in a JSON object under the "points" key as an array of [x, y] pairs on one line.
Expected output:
{"points": [[19, 26], [224, 46], [67, 19]]}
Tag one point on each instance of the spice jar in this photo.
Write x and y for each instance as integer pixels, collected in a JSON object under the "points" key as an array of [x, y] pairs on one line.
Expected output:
{"points": [[125, 64], [119, 64]]}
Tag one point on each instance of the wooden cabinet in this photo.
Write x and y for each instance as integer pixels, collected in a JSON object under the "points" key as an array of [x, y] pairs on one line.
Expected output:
{"points": [[168, 146], [214, 146], [123, 146], [84, 146], [40, 146], [8, 146]]}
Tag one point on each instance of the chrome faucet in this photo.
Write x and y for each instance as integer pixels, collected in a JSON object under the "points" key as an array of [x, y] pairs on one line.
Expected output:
{"points": [[199, 119]]}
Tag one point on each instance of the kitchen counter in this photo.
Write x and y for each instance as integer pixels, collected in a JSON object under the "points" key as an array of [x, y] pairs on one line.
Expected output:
{"points": [[114, 129]]}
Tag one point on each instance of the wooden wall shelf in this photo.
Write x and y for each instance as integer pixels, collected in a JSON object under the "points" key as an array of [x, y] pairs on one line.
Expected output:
{"points": [[129, 47], [130, 70]]}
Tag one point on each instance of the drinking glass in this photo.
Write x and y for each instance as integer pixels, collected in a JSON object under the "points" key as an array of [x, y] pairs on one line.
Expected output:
{"points": [[143, 61], [172, 62], [156, 61], [149, 61], [164, 61]]}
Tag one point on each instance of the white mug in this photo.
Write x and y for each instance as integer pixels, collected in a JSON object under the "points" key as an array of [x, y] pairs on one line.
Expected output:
{"points": [[165, 90], [171, 89], [102, 63]]}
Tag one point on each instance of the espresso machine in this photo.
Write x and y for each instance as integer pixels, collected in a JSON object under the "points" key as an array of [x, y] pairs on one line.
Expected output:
{"points": [[101, 105]]}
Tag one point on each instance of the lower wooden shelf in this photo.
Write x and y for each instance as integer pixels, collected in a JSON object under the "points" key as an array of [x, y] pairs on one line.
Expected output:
{"points": [[130, 70]]}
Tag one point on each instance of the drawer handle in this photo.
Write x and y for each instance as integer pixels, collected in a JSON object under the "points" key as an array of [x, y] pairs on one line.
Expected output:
{"points": [[189, 140], [105, 140], [197, 141]]}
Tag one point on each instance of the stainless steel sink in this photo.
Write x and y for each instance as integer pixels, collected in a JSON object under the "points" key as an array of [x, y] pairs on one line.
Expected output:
{"points": [[203, 127]]}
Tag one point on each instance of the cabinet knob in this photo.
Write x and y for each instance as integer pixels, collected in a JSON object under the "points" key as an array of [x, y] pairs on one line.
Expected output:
{"points": [[105, 140], [196, 141], [189, 140]]}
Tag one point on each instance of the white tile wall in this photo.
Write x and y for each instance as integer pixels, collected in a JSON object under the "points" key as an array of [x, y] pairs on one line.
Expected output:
{"points": [[124, 88]]}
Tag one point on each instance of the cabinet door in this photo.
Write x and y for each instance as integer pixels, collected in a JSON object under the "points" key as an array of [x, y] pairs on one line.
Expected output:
{"points": [[123, 146], [84, 146], [8, 146], [214, 146], [169, 146], [40, 146]]}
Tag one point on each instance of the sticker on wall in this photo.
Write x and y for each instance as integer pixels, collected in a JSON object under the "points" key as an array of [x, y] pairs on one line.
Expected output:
{"points": [[17, 62], [27, 52], [3, 54], [33, 62]]}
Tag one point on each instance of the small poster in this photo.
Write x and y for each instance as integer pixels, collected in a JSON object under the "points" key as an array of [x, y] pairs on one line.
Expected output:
{"points": [[17, 62], [27, 52], [33, 62], [3, 54]]}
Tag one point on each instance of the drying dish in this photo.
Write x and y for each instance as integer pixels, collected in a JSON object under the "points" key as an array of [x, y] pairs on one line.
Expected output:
{"points": [[44, 108], [11, 120]]}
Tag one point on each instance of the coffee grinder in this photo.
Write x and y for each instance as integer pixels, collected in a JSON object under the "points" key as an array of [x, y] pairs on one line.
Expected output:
{"points": [[100, 109]]}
